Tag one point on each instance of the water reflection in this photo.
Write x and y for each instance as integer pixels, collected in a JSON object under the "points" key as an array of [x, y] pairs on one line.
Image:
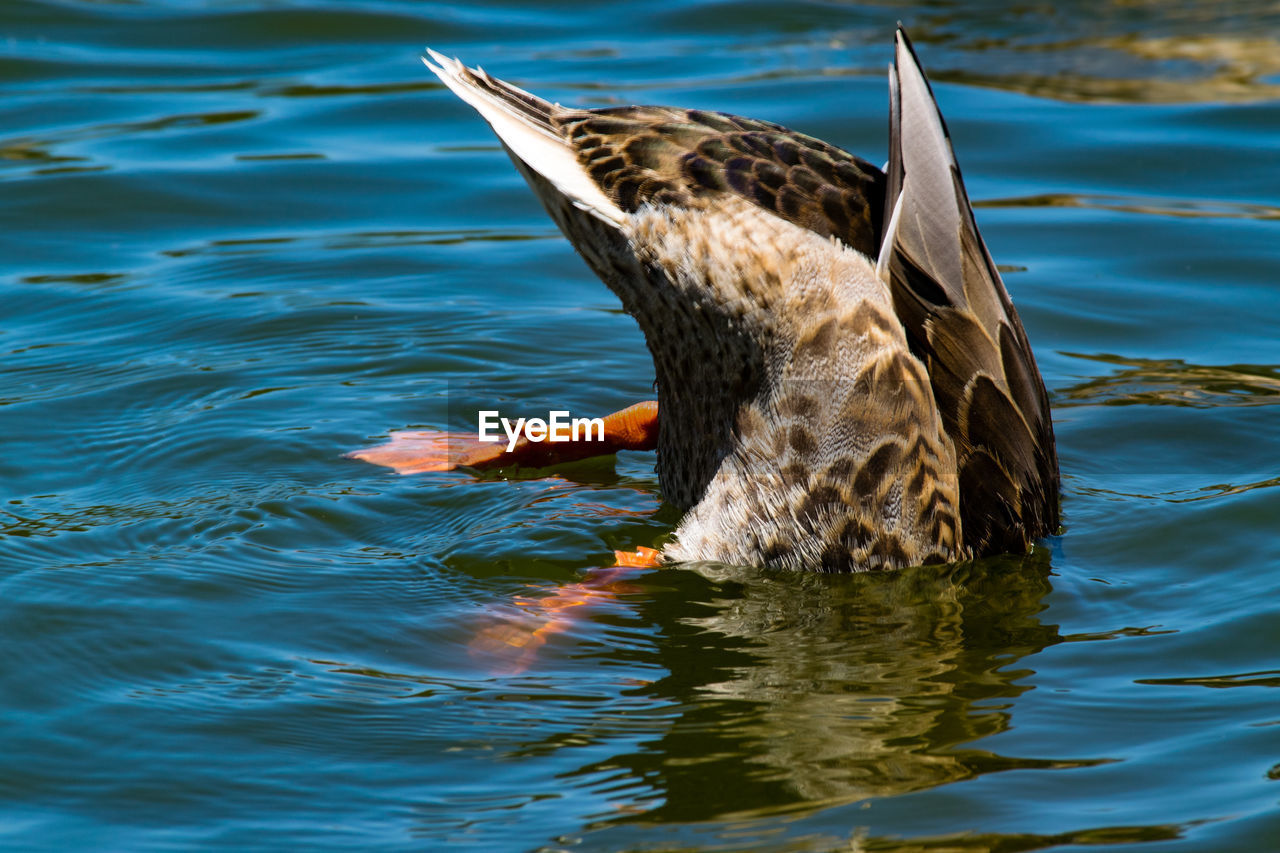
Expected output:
{"points": [[807, 690], [343, 240], [1026, 841], [45, 150], [1142, 205], [1109, 50], [1172, 382]]}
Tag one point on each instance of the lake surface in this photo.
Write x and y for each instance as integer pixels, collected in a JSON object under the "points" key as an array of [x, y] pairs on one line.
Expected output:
{"points": [[241, 238]]}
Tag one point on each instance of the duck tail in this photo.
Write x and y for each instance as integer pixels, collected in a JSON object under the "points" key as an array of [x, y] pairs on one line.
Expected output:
{"points": [[528, 128], [960, 322]]}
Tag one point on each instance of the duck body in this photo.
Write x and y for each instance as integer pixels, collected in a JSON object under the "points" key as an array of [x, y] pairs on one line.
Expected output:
{"points": [[843, 383]]}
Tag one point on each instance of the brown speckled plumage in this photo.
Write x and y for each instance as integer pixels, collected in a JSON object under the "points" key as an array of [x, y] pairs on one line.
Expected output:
{"points": [[666, 156], [843, 382]]}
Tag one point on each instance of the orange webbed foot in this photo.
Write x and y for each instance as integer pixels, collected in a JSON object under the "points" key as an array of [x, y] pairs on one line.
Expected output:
{"points": [[641, 558], [422, 451]]}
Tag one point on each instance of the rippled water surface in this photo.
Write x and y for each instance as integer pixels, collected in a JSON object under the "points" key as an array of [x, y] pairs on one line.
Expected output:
{"points": [[241, 238]]}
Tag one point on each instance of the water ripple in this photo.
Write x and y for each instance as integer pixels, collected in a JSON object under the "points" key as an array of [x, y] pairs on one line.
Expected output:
{"points": [[1172, 382], [1266, 678], [38, 151], [1183, 208]]}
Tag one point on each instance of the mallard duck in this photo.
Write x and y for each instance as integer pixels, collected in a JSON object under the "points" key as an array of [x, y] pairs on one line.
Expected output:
{"points": [[843, 382]]}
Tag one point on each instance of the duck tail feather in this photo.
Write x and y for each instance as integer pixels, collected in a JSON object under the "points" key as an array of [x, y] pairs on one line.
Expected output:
{"points": [[528, 128]]}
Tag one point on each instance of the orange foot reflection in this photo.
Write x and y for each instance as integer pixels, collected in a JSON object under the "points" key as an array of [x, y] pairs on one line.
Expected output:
{"points": [[514, 643]]}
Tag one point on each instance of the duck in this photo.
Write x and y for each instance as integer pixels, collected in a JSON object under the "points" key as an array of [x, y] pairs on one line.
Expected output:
{"points": [[843, 382]]}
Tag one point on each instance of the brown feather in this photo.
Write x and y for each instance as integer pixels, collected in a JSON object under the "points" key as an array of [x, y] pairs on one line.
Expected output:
{"points": [[960, 321], [663, 155]]}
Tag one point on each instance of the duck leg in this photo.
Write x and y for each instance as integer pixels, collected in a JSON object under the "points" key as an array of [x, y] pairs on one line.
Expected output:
{"points": [[421, 451], [513, 642]]}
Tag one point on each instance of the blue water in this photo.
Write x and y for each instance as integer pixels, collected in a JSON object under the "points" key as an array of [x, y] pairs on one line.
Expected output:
{"points": [[241, 238]]}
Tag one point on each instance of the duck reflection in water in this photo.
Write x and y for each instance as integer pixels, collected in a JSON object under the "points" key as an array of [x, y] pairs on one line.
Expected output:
{"points": [[786, 694], [830, 689]]}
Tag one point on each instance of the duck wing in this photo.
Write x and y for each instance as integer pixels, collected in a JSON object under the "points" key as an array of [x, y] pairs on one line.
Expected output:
{"points": [[960, 322]]}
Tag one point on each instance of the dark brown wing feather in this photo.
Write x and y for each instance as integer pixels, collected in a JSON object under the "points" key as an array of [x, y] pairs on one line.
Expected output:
{"points": [[662, 154], [960, 322]]}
